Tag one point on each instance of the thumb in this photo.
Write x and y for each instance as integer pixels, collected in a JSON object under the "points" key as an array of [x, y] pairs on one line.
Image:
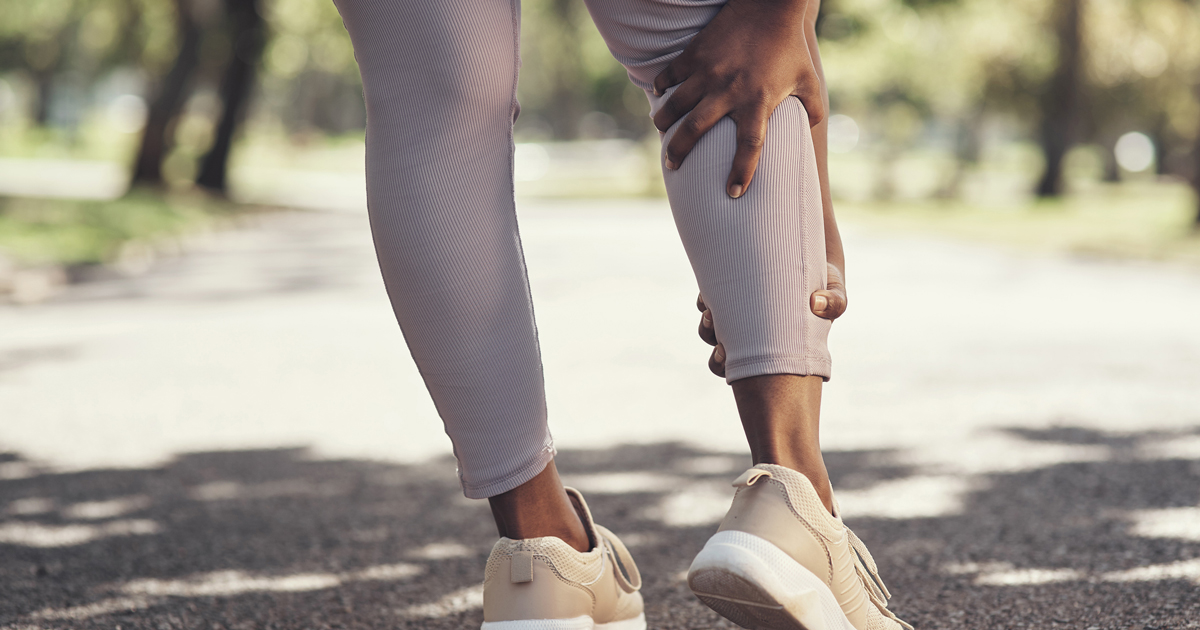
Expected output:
{"points": [[828, 304]]}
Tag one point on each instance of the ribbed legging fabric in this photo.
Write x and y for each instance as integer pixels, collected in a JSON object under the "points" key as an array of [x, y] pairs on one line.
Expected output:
{"points": [[440, 77]]}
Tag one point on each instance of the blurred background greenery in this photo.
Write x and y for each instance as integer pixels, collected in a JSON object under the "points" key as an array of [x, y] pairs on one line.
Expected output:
{"points": [[1070, 124]]}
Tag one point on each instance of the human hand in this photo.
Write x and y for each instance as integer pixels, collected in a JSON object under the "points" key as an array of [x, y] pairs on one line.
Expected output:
{"points": [[828, 303], [748, 59]]}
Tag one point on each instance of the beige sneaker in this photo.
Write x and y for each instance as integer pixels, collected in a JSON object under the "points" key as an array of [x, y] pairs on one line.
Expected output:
{"points": [[544, 584], [780, 561]]}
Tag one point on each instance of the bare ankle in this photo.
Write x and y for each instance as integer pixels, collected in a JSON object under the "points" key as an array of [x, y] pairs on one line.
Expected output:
{"points": [[540, 507], [816, 473], [781, 416]]}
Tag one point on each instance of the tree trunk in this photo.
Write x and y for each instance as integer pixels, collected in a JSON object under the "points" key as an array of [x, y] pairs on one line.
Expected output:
{"points": [[245, 25], [1112, 170], [1060, 99], [1164, 143], [45, 97], [1196, 169], [48, 67], [172, 92]]}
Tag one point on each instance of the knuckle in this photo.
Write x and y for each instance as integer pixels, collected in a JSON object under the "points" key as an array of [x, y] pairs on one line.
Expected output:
{"points": [[692, 125], [724, 73], [751, 140], [761, 96]]}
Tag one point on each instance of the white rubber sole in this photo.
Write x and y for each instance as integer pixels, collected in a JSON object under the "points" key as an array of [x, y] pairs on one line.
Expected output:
{"points": [[574, 623], [754, 584]]}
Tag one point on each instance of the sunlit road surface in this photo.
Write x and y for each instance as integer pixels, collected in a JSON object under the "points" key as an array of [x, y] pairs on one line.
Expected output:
{"points": [[1015, 436]]}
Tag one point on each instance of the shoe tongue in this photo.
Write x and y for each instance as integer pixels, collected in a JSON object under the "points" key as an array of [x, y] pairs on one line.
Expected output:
{"points": [[585, 515]]}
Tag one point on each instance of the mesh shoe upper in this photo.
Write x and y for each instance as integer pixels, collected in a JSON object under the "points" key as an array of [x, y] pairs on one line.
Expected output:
{"points": [[781, 506], [545, 578]]}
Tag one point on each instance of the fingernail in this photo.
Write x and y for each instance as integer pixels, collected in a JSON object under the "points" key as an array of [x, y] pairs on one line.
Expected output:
{"points": [[671, 164], [719, 354], [735, 191], [820, 303], [706, 320]]}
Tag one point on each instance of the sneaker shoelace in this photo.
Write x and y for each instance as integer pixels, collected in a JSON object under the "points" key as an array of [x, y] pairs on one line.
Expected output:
{"points": [[868, 572]]}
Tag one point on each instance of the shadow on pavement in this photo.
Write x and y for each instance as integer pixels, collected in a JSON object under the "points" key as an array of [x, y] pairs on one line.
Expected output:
{"points": [[276, 539]]}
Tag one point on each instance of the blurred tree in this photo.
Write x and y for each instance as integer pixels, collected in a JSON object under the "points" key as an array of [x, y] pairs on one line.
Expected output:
{"points": [[1195, 161], [309, 80], [56, 39], [171, 93], [72, 44], [1143, 61], [916, 74], [566, 74], [1060, 98], [246, 32], [553, 87]]}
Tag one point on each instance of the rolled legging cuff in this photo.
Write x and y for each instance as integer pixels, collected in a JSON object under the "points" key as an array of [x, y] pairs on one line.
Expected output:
{"points": [[523, 474], [800, 366]]}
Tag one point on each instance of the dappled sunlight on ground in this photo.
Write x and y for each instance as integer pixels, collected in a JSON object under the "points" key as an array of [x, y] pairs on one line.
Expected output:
{"points": [[290, 541]]}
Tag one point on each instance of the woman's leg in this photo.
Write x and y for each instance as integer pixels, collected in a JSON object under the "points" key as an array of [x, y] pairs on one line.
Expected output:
{"points": [[781, 557], [439, 78], [756, 258]]}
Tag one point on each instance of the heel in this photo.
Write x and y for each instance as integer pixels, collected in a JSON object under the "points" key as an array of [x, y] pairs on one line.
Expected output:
{"points": [[754, 584]]}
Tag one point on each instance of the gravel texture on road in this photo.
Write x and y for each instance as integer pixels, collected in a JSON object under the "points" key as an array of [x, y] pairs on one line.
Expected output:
{"points": [[277, 539]]}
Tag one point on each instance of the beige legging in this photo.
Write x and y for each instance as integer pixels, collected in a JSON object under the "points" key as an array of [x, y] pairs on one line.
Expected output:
{"points": [[440, 78]]}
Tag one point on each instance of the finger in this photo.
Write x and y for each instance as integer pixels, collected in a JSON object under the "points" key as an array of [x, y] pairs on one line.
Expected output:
{"points": [[708, 332], [700, 303], [809, 94], [703, 117], [685, 97], [751, 135], [716, 362], [833, 280], [828, 304], [675, 73]]}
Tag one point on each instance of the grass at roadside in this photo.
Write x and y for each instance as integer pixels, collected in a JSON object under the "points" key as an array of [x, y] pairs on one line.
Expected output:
{"points": [[79, 232], [1149, 221]]}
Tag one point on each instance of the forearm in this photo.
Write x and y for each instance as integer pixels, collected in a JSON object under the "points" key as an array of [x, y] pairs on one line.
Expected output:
{"points": [[833, 239]]}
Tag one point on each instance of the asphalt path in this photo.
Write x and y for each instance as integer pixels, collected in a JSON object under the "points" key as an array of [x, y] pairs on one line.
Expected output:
{"points": [[236, 439]]}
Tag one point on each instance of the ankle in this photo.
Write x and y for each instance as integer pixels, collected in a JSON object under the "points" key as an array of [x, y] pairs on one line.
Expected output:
{"points": [[781, 416], [540, 507], [813, 469], [561, 529]]}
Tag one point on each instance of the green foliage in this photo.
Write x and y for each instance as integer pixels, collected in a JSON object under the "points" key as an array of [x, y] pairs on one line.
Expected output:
{"points": [[39, 231], [911, 72], [87, 35], [567, 72]]}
